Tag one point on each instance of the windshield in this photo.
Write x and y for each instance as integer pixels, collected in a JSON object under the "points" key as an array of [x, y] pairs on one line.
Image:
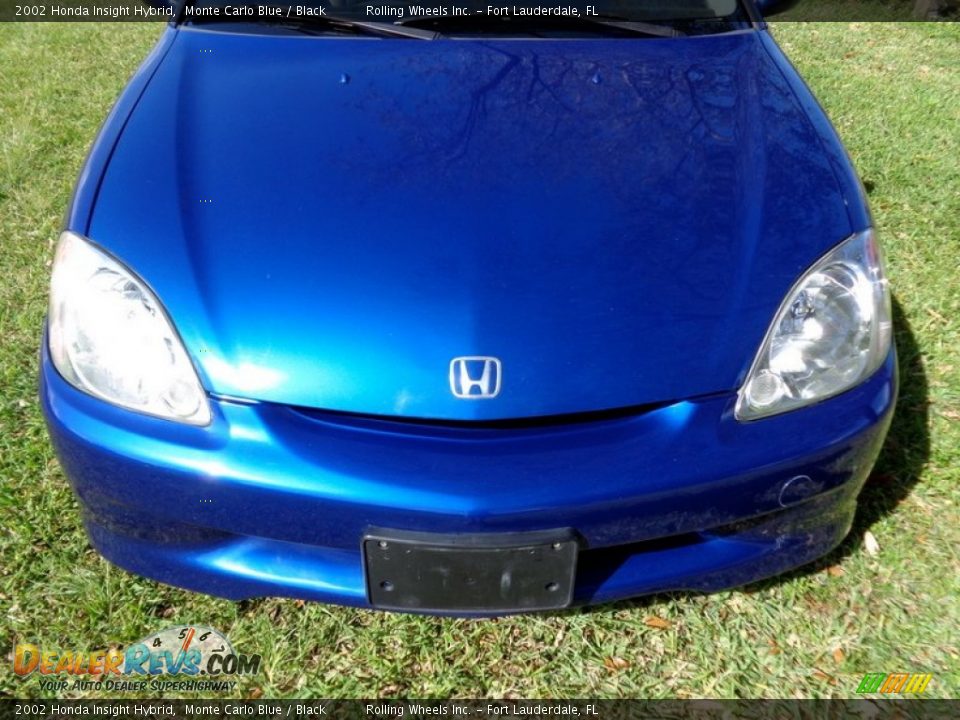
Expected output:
{"points": [[464, 17]]}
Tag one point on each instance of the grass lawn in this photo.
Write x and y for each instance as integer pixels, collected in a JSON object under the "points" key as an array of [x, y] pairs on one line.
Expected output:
{"points": [[893, 92]]}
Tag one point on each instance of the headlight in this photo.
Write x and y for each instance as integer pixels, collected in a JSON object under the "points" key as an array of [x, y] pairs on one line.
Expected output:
{"points": [[832, 332], [110, 337]]}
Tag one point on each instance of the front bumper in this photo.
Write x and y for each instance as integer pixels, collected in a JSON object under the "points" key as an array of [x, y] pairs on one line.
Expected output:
{"points": [[274, 500]]}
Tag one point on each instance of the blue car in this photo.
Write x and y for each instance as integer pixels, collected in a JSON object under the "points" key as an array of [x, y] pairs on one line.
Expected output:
{"points": [[467, 312]]}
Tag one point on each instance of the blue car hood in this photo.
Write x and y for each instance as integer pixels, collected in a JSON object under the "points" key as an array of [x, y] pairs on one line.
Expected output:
{"points": [[330, 221]]}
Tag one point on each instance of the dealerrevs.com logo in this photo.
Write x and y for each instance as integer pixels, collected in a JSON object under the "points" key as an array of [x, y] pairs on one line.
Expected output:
{"points": [[186, 651]]}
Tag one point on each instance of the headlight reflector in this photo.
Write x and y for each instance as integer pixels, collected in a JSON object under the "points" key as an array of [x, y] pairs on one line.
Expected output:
{"points": [[832, 332], [110, 337]]}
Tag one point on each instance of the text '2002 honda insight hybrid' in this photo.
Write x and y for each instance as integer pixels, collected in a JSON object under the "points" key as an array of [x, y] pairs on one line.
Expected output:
{"points": [[467, 312]]}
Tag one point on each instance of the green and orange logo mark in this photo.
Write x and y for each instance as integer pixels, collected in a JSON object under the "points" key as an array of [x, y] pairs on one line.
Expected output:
{"points": [[894, 683]]}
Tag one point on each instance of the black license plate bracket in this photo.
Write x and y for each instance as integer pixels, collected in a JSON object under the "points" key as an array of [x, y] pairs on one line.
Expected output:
{"points": [[475, 573]]}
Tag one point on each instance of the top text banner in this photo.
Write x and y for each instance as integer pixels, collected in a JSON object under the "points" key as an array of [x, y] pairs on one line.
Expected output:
{"points": [[490, 18]]}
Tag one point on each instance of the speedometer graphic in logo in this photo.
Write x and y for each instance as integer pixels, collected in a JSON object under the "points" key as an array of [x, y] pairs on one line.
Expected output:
{"points": [[189, 637], [189, 649]]}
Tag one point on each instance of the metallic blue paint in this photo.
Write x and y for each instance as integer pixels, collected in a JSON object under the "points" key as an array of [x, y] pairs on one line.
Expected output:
{"points": [[334, 245], [273, 500], [617, 221]]}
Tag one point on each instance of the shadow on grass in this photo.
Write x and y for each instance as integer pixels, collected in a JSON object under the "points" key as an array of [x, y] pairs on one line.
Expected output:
{"points": [[902, 459]]}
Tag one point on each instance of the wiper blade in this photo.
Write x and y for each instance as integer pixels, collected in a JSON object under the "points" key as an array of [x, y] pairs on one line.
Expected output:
{"points": [[602, 23], [636, 26], [285, 15]]}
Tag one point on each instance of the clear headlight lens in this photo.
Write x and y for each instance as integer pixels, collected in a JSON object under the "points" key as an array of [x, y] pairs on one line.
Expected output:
{"points": [[110, 337], [831, 333]]}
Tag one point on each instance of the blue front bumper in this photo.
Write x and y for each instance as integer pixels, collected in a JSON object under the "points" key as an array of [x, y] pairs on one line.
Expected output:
{"points": [[274, 500]]}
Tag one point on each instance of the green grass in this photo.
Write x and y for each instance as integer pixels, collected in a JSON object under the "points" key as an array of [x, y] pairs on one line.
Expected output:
{"points": [[893, 92]]}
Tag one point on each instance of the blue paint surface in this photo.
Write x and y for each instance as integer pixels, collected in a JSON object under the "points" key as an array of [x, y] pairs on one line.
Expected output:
{"points": [[329, 222]]}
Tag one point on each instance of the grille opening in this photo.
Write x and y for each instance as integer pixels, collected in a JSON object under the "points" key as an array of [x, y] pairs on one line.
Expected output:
{"points": [[339, 417]]}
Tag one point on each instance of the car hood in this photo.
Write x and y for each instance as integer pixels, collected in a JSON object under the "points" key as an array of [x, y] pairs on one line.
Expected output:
{"points": [[330, 221]]}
